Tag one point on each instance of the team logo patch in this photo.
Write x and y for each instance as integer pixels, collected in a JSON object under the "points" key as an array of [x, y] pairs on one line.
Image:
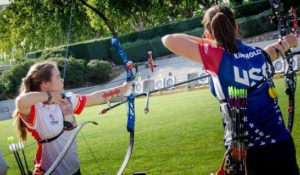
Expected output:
{"points": [[53, 121]]}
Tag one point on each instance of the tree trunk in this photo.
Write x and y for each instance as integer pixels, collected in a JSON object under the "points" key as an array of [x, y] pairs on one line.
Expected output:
{"points": [[102, 16]]}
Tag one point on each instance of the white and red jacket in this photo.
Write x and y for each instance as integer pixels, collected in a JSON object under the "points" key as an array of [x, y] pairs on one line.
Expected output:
{"points": [[47, 121]]}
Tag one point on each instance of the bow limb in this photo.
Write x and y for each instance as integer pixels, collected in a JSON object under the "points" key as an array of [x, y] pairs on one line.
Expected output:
{"points": [[67, 147], [128, 154]]}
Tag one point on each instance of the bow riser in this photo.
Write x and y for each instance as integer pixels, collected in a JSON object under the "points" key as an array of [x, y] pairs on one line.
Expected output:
{"points": [[127, 64], [130, 77], [130, 113]]}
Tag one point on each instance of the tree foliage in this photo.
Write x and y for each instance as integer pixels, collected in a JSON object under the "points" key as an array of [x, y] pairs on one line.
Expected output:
{"points": [[41, 24]]}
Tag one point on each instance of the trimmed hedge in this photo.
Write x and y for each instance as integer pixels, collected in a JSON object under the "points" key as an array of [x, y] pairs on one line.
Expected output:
{"points": [[137, 51], [251, 8], [35, 54], [255, 7], [157, 48], [101, 48], [253, 25], [54, 52], [91, 49], [159, 31], [198, 32]]}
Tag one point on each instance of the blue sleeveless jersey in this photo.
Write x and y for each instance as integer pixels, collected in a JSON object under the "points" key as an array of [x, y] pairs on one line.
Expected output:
{"points": [[243, 69]]}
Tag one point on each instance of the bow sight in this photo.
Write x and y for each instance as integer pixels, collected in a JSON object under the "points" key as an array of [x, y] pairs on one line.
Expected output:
{"points": [[284, 18]]}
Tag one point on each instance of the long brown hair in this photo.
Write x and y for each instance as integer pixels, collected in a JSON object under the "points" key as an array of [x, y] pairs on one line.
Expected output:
{"points": [[37, 73], [219, 22]]}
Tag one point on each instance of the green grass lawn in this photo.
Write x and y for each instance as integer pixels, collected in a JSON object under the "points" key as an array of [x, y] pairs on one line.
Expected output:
{"points": [[182, 134]]}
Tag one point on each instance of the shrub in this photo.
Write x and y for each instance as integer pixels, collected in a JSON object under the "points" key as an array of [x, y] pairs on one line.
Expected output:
{"points": [[75, 70], [98, 71], [10, 80]]}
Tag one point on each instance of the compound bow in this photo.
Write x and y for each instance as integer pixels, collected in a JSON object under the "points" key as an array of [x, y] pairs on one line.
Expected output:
{"points": [[284, 28]]}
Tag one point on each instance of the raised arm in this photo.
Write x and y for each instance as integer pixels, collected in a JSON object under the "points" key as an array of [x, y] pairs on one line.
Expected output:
{"points": [[183, 45], [25, 101], [102, 96], [290, 41]]}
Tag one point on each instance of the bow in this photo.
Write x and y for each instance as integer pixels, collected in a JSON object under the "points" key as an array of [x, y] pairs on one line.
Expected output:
{"points": [[67, 146], [284, 28], [130, 99]]}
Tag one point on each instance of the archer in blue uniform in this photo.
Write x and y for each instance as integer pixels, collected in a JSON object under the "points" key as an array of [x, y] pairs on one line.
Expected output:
{"points": [[270, 147]]}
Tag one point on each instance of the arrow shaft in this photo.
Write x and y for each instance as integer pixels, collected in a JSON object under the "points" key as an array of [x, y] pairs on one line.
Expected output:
{"points": [[26, 164], [20, 161], [19, 164], [153, 91]]}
